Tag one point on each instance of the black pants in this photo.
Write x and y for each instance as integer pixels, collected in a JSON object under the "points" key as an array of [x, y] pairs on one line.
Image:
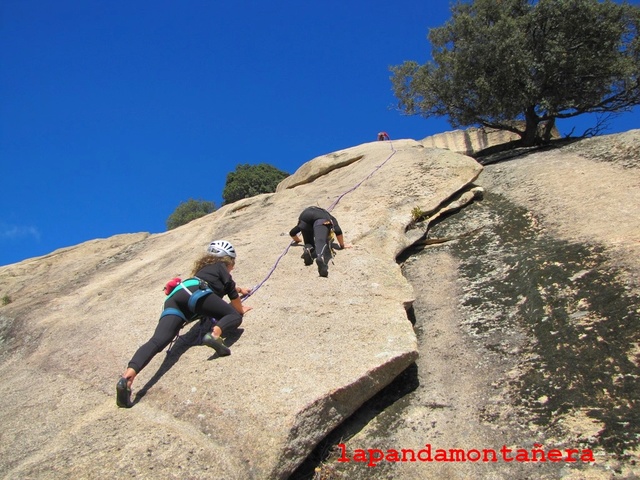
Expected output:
{"points": [[169, 325], [316, 239]]}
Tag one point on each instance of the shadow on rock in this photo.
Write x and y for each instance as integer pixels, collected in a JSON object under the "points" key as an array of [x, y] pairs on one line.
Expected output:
{"points": [[388, 397], [181, 344]]}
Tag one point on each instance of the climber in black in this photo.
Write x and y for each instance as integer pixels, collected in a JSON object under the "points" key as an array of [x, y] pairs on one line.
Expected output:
{"points": [[196, 297], [317, 226]]}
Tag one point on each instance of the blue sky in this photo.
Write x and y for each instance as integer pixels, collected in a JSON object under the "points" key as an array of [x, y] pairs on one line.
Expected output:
{"points": [[114, 112]]}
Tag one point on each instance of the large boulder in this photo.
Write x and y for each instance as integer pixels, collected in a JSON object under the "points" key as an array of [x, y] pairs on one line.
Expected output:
{"points": [[306, 357]]}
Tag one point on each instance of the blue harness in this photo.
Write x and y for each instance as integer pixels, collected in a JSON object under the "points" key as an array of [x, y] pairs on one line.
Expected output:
{"points": [[193, 298]]}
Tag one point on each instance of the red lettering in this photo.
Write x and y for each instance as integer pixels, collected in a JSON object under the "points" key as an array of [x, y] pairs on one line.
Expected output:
{"points": [[473, 455], [392, 456], [441, 456], [554, 455], [427, 451], [457, 455], [569, 457], [486, 453], [375, 455], [587, 456], [504, 450], [359, 455], [343, 457], [537, 448], [413, 455]]}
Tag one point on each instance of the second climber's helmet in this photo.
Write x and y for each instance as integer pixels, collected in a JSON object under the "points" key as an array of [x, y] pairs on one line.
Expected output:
{"points": [[221, 248]]}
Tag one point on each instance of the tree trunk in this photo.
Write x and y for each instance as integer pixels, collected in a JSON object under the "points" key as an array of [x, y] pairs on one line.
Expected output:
{"points": [[548, 128], [530, 135]]}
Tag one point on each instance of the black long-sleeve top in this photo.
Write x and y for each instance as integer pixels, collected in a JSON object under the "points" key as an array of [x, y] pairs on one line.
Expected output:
{"points": [[309, 216], [219, 280]]}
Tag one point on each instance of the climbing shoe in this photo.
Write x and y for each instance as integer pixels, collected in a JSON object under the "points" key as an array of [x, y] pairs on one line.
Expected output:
{"points": [[217, 344], [306, 256], [123, 394], [323, 268]]}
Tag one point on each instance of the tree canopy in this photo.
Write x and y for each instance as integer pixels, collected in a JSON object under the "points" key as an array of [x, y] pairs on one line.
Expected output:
{"points": [[250, 180], [189, 210], [517, 64]]}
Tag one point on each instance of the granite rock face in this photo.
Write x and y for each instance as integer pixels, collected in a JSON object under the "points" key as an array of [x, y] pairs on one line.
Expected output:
{"points": [[472, 140], [310, 352], [527, 308]]}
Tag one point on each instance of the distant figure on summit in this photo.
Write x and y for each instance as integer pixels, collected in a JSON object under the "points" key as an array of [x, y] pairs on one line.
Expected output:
{"points": [[317, 226], [383, 136]]}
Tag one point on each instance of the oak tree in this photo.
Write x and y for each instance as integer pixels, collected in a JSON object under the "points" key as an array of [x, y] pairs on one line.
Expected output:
{"points": [[519, 65]]}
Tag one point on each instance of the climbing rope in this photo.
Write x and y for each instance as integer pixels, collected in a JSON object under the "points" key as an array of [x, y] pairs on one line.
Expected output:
{"points": [[273, 269], [275, 265], [333, 205], [393, 152]]}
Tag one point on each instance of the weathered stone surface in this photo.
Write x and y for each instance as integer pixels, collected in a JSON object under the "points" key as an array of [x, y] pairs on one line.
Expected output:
{"points": [[526, 313], [528, 321], [308, 355], [468, 141], [473, 140]]}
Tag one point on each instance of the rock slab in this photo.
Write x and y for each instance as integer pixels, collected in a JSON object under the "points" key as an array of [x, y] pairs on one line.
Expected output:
{"points": [[310, 352]]}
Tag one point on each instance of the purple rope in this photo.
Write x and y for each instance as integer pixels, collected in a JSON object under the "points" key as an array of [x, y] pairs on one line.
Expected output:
{"points": [[257, 287], [393, 152], [273, 269]]}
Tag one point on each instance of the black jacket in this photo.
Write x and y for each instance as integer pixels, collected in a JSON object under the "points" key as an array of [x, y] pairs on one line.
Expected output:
{"points": [[218, 279]]}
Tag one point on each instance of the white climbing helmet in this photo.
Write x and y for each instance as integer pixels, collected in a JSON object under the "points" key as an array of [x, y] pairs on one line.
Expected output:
{"points": [[221, 248]]}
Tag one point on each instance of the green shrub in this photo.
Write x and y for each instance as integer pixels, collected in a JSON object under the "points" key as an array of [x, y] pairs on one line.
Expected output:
{"points": [[189, 210], [251, 180]]}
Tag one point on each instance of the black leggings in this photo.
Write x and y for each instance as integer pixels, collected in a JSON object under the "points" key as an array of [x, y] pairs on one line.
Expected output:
{"points": [[317, 238], [169, 325]]}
